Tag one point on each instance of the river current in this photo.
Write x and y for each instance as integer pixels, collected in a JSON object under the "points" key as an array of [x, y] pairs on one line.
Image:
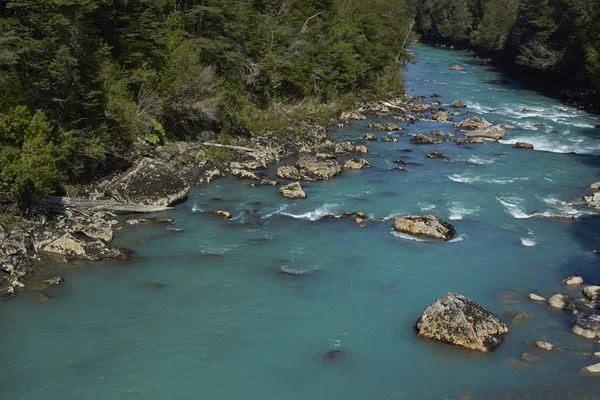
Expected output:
{"points": [[205, 313]]}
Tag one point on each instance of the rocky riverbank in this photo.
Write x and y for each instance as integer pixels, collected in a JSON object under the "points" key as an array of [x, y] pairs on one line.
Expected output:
{"points": [[161, 176]]}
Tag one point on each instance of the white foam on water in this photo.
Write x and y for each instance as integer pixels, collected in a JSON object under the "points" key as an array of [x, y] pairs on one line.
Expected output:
{"points": [[551, 144], [461, 179], [512, 207], [408, 237], [458, 213], [528, 242], [312, 215], [427, 207], [196, 209], [459, 238], [476, 179], [480, 160]]}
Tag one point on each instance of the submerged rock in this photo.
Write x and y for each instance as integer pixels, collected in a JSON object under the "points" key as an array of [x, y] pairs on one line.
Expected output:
{"points": [[542, 344], [293, 191], [149, 182], [55, 281], [426, 225], [7, 292], [456, 68], [562, 302], [421, 138], [455, 319], [82, 247], [587, 326], [44, 297], [390, 139], [268, 182], [332, 356]]}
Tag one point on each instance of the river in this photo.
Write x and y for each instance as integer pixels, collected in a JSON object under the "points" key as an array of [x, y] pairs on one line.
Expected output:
{"points": [[205, 313]]}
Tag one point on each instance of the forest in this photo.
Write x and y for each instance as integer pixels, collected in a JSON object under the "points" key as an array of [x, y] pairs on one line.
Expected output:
{"points": [[80, 80], [558, 40]]}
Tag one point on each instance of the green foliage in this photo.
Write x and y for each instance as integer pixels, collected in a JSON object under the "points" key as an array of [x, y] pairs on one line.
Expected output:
{"points": [[557, 38], [106, 72], [29, 160]]}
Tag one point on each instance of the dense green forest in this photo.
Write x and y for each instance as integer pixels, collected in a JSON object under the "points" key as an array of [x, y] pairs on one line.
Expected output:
{"points": [[80, 80], [558, 40]]}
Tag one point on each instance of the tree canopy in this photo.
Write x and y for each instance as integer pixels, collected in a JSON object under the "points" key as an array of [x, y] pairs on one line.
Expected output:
{"points": [[80, 80]]}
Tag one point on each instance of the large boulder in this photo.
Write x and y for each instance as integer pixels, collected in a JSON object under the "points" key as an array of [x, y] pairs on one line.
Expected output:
{"points": [[424, 225], [150, 182], [562, 302], [293, 191], [18, 253], [587, 326], [593, 292], [315, 169], [289, 172], [473, 123], [81, 247], [243, 174], [349, 147], [421, 138], [356, 163], [494, 132], [455, 319]]}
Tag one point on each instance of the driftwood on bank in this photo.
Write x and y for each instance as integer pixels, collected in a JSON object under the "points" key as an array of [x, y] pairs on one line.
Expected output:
{"points": [[228, 146], [59, 205]]}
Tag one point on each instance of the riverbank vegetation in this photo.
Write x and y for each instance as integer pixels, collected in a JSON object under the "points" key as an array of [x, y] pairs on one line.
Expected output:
{"points": [[556, 41], [80, 81]]}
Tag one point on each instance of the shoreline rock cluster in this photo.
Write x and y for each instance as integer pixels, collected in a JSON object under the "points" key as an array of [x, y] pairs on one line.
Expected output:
{"points": [[583, 303]]}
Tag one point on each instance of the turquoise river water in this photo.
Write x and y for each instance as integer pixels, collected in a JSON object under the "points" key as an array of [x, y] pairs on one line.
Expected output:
{"points": [[227, 325]]}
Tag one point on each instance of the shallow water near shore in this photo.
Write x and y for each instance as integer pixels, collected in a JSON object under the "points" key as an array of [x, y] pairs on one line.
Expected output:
{"points": [[205, 313]]}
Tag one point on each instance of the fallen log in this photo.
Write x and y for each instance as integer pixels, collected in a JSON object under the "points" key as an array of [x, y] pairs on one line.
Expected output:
{"points": [[59, 205], [228, 146]]}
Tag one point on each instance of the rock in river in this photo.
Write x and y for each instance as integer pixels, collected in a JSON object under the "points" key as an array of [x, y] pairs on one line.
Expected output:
{"points": [[593, 292], [370, 136], [293, 191], [421, 138], [424, 225], [455, 319], [495, 132], [473, 123], [82, 247], [150, 182], [314, 169], [523, 145], [456, 68], [562, 302], [457, 104], [587, 326], [356, 163]]}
